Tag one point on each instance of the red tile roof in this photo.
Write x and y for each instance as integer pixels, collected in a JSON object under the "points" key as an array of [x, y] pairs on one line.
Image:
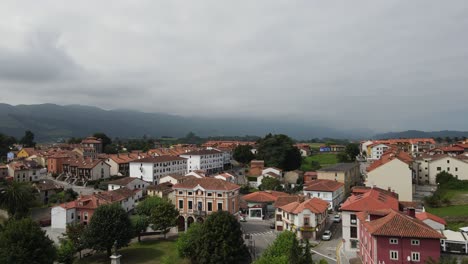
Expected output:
{"points": [[323, 185], [315, 205], [207, 184], [389, 156], [264, 196], [372, 199], [397, 224], [284, 200], [123, 181], [425, 215]]}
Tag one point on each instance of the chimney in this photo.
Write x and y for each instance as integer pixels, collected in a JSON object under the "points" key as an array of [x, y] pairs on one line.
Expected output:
{"points": [[411, 212]]}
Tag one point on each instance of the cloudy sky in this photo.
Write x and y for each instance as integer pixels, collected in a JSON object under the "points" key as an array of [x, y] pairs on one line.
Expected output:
{"points": [[380, 65]]}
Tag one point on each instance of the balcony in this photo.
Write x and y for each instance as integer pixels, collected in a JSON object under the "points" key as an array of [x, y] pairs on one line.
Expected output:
{"points": [[199, 213]]}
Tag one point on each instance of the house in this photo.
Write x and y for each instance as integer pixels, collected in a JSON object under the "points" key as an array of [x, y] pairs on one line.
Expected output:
{"points": [[174, 179], [46, 188], [25, 152], [26, 171], [269, 174], [364, 199], [337, 148], [376, 150], [256, 167], [309, 176], [431, 220], [306, 218], [347, 173], [152, 169], [120, 163], [260, 204], [163, 190], [389, 236], [197, 198], [91, 146], [82, 209], [209, 160], [139, 186], [225, 177], [83, 170], [392, 171], [330, 191], [304, 149], [197, 174], [449, 150], [55, 163], [453, 165]]}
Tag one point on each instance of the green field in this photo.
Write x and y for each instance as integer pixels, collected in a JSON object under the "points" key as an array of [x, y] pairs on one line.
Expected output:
{"points": [[146, 252], [454, 210], [324, 160]]}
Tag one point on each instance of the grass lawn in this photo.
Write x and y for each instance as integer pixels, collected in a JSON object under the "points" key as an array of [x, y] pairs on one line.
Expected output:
{"points": [[454, 210], [324, 160], [146, 252]]}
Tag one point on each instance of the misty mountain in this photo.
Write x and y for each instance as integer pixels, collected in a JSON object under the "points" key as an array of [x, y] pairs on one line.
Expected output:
{"points": [[50, 122], [422, 134]]}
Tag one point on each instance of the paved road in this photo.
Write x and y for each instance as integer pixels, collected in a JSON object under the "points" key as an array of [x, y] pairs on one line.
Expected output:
{"points": [[327, 249]]}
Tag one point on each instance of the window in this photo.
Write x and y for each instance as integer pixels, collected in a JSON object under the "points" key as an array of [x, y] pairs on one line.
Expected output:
{"points": [[448, 161], [414, 242], [353, 219], [393, 255], [439, 168], [181, 204], [415, 256], [190, 205], [448, 168], [220, 195], [210, 206], [86, 216], [393, 241], [456, 169], [180, 192], [353, 232], [190, 193], [72, 215], [306, 221], [210, 194], [278, 217], [220, 206]]}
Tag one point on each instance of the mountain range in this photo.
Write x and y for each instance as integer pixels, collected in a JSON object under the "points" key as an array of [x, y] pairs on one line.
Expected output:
{"points": [[50, 122], [422, 134]]}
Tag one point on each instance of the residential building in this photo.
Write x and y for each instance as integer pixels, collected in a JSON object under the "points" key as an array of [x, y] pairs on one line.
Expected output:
{"points": [[92, 146], [120, 163], [197, 198], [209, 160], [414, 146], [431, 220], [449, 150], [26, 171], [428, 166], [393, 171], [55, 163], [163, 190], [364, 199], [260, 204], [83, 170], [82, 209], [174, 179], [45, 189], [337, 148], [25, 152], [256, 167], [389, 236], [304, 149], [330, 191], [225, 177], [309, 176], [130, 183], [269, 174], [376, 151], [307, 218], [347, 173], [152, 169]]}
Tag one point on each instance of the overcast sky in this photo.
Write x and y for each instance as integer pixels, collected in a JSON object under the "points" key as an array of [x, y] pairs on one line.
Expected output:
{"points": [[381, 65]]}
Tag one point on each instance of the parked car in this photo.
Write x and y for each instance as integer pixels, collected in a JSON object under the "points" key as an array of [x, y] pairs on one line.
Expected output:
{"points": [[337, 218], [326, 235]]}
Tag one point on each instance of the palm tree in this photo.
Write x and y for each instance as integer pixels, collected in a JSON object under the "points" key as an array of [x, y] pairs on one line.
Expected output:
{"points": [[16, 198]]}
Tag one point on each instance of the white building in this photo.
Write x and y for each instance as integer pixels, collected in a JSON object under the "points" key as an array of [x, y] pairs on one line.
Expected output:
{"points": [[225, 177], [376, 151], [26, 171], [152, 169], [209, 160], [455, 166], [135, 184], [327, 190]]}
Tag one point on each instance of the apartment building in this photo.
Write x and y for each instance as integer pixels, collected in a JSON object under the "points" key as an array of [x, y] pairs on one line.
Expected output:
{"points": [[152, 169], [26, 171], [197, 198], [330, 191], [428, 166], [82, 170], [376, 151], [346, 173], [209, 160]]}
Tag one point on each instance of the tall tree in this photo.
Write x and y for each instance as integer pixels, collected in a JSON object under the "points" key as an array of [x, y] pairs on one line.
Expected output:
{"points": [[75, 232], [342, 157], [66, 252], [28, 139], [352, 150], [243, 154], [140, 224], [279, 151], [270, 183], [5, 143], [146, 206], [187, 240], [164, 216], [17, 198], [220, 241], [284, 250], [109, 224], [23, 241]]}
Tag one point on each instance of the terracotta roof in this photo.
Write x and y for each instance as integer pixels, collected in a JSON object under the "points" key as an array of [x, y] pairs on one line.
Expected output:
{"points": [[394, 223], [83, 163], [202, 152], [123, 158], [315, 205], [207, 184], [123, 181], [284, 200], [116, 195], [310, 173], [425, 215], [372, 199], [165, 187], [272, 174], [30, 151], [264, 196], [159, 159], [323, 185], [389, 156], [91, 140]]}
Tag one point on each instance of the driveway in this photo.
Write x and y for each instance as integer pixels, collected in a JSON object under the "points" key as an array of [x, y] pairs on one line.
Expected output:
{"points": [[327, 249]]}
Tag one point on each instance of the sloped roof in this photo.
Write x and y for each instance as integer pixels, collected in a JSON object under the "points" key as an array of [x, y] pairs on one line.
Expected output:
{"points": [[371, 200], [207, 184], [315, 205], [123, 181], [389, 156], [264, 196], [323, 185], [284, 200], [394, 223], [425, 215]]}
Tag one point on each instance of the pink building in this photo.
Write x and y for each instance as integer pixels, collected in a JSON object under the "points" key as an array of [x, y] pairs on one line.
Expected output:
{"points": [[388, 236]]}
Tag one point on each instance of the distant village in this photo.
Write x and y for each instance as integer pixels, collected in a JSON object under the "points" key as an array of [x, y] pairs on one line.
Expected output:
{"points": [[388, 203]]}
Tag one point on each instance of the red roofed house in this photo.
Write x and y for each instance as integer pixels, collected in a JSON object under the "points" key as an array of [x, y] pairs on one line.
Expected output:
{"points": [[431, 220], [256, 167], [309, 176], [198, 197], [392, 171], [327, 190], [367, 199], [92, 146], [82, 209], [261, 203], [389, 236], [307, 218]]}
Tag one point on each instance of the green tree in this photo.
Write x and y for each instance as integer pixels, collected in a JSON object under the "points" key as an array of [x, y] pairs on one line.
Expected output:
{"points": [[438, 139], [66, 252], [110, 223], [279, 151], [28, 139], [270, 183], [17, 198], [282, 250], [243, 154], [5, 143], [352, 150], [342, 157], [140, 224], [306, 255], [23, 241], [146, 206], [111, 149], [74, 140], [187, 240], [164, 216], [105, 139], [220, 241], [76, 233]]}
